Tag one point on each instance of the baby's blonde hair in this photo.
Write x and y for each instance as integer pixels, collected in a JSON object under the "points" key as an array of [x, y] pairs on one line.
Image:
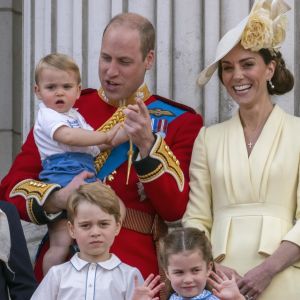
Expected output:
{"points": [[59, 61]]}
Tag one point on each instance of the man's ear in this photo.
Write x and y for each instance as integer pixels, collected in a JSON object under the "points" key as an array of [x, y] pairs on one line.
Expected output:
{"points": [[149, 60]]}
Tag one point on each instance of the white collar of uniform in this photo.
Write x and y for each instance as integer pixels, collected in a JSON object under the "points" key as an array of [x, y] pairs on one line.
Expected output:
{"points": [[109, 264]]}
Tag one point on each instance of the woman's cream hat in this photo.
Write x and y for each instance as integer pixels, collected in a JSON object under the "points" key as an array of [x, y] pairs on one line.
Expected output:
{"points": [[264, 27]]}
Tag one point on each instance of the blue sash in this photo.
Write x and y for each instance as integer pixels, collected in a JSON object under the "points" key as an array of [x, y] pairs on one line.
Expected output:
{"points": [[119, 154]]}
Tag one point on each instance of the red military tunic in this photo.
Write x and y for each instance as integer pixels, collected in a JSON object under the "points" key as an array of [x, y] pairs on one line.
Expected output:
{"points": [[163, 196]]}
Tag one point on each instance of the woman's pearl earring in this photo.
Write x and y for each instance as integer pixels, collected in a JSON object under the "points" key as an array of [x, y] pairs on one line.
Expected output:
{"points": [[271, 84]]}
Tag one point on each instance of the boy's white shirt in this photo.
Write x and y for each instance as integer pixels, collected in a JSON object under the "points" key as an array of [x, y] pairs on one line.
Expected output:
{"points": [[48, 121], [79, 279]]}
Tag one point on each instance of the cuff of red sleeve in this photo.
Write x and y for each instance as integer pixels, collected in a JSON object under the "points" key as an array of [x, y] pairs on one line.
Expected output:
{"points": [[35, 194], [160, 160], [34, 189], [38, 215], [147, 167]]}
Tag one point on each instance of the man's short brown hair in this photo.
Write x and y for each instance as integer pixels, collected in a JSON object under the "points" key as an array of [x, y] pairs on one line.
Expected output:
{"points": [[139, 23]]}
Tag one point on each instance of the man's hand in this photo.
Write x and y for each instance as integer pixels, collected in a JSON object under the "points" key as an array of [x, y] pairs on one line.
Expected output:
{"points": [[138, 127], [148, 290], [57, 201]]}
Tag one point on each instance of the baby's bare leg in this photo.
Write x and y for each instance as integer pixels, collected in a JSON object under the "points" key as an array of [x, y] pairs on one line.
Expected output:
{"points": [[60, 242]]}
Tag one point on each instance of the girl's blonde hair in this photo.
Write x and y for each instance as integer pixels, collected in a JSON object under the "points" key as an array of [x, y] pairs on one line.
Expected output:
{"points": [[184, 239]]}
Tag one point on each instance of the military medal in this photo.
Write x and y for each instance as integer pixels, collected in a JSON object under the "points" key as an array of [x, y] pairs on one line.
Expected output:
{"points": [[160, 126]]}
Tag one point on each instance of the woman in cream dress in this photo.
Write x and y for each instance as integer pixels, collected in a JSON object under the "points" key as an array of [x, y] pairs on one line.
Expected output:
{"points": [[245, 191]]}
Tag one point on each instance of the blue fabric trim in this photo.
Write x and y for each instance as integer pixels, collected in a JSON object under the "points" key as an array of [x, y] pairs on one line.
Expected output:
{"points": [[86, 284], [119, 155], [204, 295], [95, 281], [158, 104]]}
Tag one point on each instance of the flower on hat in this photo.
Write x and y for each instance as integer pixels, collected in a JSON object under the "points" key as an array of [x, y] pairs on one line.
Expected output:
{"points": [[258, 32], [279, 26], [265, 28]]}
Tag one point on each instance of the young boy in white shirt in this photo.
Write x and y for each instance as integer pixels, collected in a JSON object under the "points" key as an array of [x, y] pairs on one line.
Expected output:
{"points": [[95, 273], [66, 143]]}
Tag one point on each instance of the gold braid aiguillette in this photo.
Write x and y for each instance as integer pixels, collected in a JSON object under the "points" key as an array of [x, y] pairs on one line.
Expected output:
{"points": [[117, 117]]}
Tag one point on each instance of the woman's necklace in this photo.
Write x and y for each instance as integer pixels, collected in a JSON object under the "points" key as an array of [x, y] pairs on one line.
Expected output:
{"points": [[252, 138], [250, 141]]}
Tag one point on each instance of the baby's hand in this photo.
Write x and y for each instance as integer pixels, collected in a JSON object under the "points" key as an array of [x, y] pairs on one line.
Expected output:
{"points": [[224, 287], [148, 290], [114, 137], [119, 137]]}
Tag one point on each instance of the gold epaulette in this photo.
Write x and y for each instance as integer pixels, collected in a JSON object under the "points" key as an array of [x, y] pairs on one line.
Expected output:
{"points": [[169, 163], [33, 189], [116, 118]]}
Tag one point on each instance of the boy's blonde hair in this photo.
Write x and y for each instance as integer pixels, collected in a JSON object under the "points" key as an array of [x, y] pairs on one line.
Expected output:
{"points": [[95, 193], [59, 61]]}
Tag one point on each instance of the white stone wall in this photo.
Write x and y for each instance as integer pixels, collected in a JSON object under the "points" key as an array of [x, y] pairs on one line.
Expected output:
{"points": [[10, 81], [187, 34], [6, 35]]}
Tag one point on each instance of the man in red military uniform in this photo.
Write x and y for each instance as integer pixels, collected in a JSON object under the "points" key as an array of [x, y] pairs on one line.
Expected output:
{"points": [[162, 132]]}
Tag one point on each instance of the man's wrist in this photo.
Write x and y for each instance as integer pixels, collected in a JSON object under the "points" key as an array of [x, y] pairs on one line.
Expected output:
{"points": [[147, 146]]}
